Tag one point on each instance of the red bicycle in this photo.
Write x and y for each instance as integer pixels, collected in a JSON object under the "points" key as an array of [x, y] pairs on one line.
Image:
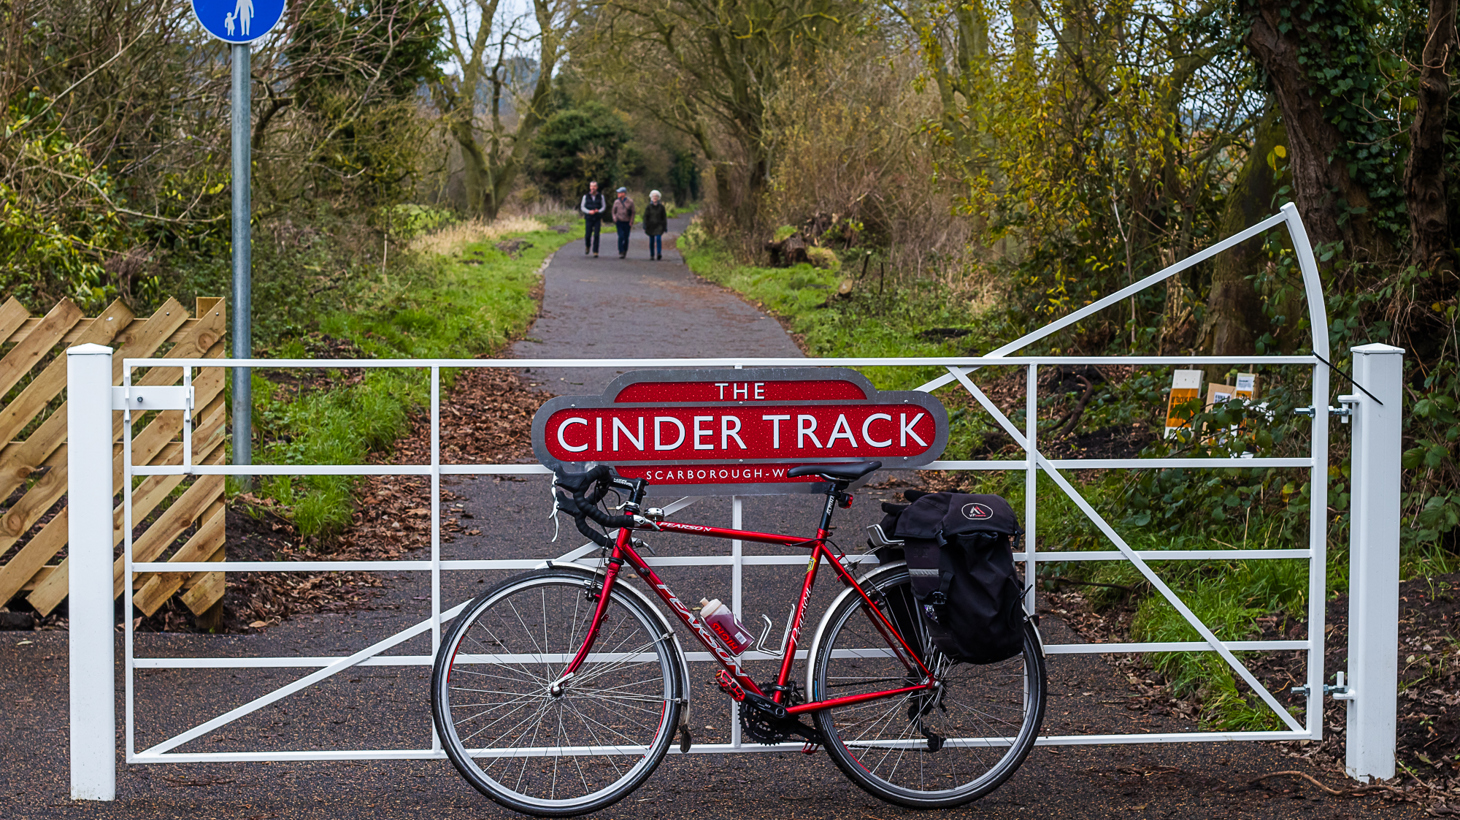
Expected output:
{"points": [[559, 691]]}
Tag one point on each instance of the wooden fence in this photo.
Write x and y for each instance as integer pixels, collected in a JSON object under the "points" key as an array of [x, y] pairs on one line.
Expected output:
{"points": [[33, 469]]}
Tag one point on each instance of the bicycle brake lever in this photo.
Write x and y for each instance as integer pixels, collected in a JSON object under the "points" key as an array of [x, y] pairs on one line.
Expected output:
{"points": [[641, 520]]}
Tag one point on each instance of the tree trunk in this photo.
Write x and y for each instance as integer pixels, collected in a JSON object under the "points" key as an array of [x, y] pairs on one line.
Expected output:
{"points": [[1313, 141], [473, 168], [1424, 170], [1234, 318]]}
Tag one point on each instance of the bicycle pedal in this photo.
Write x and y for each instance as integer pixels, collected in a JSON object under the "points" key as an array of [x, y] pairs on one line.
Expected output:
{"points": [[809, 748], [729, 685]]}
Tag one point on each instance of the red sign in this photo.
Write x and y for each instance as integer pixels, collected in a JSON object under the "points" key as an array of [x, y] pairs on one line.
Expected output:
{"points": [[738, 430]]}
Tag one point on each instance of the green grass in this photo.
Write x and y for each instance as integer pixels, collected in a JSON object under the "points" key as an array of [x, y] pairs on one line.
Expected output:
{"points": [[441, 307]]}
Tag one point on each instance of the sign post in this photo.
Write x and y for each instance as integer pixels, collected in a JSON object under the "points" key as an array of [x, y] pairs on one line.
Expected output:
{"points": [[238, 23], [738, 432]]}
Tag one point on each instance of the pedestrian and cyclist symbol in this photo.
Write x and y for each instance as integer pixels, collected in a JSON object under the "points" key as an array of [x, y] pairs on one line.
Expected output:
{"points": [[238, 21]]}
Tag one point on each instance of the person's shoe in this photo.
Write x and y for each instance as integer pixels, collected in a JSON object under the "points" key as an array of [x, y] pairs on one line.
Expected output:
{"points": [[595, 256], [585, 251]]}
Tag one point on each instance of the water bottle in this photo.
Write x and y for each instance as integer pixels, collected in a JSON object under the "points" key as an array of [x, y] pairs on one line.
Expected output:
{"points": [[725, 625]]}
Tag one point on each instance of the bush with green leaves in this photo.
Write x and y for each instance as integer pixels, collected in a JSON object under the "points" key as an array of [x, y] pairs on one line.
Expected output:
{"points": [[589, 142]]}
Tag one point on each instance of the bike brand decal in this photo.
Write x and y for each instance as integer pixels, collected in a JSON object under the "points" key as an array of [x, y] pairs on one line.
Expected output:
{"points": [[706, 637], [800, 613], [738, 430], [675, 525], [977, 512]]}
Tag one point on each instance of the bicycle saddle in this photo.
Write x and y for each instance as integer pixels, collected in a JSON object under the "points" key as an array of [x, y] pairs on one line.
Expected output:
{"points": [[836, 472]]}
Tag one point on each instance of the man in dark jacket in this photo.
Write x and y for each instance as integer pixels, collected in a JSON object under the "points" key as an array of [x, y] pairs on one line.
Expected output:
{"points": [[592, 207], [623, 219], [656, 222]]}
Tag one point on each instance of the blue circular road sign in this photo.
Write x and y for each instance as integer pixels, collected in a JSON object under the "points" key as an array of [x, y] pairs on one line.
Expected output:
{"points": [[238, 21]]}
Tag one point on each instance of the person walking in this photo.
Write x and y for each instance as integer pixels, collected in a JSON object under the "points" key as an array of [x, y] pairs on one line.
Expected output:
{"points": [[592, 207], [623, 219], [656, 222]]}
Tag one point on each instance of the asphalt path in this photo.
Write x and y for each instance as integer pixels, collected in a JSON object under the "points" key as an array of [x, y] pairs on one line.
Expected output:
{"points": [[593, 308]]}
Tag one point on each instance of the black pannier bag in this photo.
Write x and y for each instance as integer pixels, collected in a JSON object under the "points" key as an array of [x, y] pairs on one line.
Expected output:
{"points": [[959, 551]]}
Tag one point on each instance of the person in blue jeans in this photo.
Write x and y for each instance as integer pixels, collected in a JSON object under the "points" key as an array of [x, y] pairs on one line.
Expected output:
{"points": [[623, 219], [656, 222], [592, 207]]}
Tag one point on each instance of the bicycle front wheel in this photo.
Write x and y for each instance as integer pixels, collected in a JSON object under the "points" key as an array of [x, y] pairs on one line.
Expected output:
{"points": [[931, 749], [565, 752]]}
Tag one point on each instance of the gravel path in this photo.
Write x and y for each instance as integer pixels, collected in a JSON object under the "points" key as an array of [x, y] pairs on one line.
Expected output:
{"points": [[592, 308]]}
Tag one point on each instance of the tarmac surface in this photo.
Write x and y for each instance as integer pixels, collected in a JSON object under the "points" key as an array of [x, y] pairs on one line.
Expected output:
{"points": [[594, 308]]}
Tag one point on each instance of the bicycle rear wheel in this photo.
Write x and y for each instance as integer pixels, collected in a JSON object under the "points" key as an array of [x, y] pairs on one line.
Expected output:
{"points": [[926, 750], [557, 755]]}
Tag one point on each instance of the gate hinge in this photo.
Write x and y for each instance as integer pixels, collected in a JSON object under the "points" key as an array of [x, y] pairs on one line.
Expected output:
{"points": [[1339, 690], [1343, 411]]}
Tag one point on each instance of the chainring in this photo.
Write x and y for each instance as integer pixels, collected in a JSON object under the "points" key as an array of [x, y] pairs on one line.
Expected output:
{"points": [[766, 729], [760, 727]]}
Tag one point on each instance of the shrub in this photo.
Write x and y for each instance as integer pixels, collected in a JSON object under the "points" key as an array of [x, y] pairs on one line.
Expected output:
{"points": [[824, 258]]}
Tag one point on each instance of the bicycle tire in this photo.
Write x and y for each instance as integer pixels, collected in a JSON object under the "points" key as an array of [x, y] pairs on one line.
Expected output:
{"points": [[608, 729], [880, 745]]}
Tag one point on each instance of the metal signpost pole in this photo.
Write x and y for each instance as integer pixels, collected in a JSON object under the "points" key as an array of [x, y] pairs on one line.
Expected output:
{"points": [[239, 23], [242, 258]]}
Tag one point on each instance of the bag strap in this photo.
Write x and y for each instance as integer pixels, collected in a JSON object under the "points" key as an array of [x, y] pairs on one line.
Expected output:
{"points": [[939, 597]]}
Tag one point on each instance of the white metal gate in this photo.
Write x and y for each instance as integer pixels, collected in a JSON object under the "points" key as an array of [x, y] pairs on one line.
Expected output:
{"points": [[93, 400]]}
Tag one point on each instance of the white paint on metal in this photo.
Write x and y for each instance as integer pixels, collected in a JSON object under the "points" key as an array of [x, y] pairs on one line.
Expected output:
{"points": [[1154, 580], [1373, 626], [768, 361], [89, 530], [152, 398]]}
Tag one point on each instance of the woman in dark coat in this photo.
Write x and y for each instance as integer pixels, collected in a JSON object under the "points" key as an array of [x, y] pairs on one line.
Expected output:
{"points": [[656, 222]]}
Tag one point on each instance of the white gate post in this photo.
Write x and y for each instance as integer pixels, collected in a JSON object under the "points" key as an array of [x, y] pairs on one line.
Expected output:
{"points": [[89, 501], [1373, 613]]}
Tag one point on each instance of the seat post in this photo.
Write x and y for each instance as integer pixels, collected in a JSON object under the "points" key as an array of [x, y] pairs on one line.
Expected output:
{"points": [[833, 489]]}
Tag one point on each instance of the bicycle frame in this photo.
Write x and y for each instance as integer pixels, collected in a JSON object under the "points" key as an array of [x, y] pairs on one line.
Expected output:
{"points": [[624, 552]]}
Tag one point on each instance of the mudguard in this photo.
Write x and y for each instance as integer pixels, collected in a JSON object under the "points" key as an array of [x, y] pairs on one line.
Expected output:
{"points": [[868, 578]]}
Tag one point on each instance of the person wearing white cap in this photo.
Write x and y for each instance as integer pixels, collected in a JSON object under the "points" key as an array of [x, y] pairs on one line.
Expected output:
{"points": [[623, 219], [656, 222]]}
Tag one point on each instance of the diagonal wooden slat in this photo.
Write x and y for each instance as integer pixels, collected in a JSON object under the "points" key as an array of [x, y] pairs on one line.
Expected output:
{"points": [[26, 353], [159, 587], [20, 462], [157, 439], [48, 490], [51, 381], [205, 589], [12, 315], [51, 539]]}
